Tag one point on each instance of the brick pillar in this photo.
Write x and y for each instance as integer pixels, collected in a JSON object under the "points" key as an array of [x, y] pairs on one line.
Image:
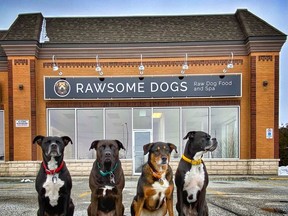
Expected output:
{"points": [[276, 108], [264, 105], [253, 107], [22, 108]]}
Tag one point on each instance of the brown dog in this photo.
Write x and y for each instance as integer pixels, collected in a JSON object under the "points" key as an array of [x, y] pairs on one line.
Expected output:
{"points": [[106, 179], [155, 185]]}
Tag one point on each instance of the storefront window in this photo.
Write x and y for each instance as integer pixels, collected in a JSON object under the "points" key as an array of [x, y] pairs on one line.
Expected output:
{"points": [[195, 119], [62, 123], [166, 126], [1, 135], [225, 127], [142, 118], [89, 128], [118, 124], [132, 126], [220, 122]]}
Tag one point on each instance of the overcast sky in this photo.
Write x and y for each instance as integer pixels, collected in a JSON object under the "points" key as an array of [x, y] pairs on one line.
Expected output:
{"points": [[275, 12]]}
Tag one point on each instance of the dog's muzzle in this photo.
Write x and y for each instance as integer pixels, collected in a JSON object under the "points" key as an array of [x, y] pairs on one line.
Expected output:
{"points": [[107, 156], [164, 160], [213, 145], [53, 150]]}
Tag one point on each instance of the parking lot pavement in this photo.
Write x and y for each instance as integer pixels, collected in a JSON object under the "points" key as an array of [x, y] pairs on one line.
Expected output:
{"points": [[225, 196]]}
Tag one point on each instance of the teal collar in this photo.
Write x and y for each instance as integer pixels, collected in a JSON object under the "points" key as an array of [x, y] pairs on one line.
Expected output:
{"points": [[106, 173]]}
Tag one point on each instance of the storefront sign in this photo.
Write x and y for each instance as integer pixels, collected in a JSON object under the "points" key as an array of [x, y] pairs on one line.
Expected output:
{"points": [[90, 88]]}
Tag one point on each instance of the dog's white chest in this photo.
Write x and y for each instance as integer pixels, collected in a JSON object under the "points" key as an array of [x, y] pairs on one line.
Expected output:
{"points": [[160, 188], [107, 187], [52, 189], [194, 182]]}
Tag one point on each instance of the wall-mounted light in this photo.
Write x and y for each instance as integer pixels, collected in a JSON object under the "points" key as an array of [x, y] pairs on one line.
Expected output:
{"points": [[55, 65], [141, 67], [98, 67], [20, 87], [185, 65], [265, 83], [230, 64]]}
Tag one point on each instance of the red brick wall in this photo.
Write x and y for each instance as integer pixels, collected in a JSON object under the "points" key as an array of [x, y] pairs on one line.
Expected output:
{"points": [[258, 105]]}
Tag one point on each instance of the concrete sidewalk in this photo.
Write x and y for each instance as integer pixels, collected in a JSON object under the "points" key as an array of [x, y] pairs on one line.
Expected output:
{"points": [[226, 195]]}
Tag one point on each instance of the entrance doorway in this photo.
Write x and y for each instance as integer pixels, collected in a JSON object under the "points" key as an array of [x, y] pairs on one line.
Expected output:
{"points": [[140, 138]]}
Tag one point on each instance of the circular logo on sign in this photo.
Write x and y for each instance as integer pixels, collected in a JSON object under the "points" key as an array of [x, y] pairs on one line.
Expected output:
{"points": [[62, 88]]}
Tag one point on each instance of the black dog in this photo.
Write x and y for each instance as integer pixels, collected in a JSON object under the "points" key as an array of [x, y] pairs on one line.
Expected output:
{"points": [[155, 185], [106, 179], [191, 177], [53, 182]]}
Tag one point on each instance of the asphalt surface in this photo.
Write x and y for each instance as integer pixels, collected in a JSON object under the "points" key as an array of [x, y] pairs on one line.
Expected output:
{"points": [[225, 196]]}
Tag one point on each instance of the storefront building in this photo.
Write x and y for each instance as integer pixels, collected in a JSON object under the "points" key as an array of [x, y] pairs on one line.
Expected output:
{"points": [[139, 80]]}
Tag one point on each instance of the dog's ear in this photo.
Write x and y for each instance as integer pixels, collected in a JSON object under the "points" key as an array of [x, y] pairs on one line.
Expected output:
{"points": [[38, 139], [120, 145], [190, 135], [94, 144], [172, 147], [66, 140], [147, 147]]}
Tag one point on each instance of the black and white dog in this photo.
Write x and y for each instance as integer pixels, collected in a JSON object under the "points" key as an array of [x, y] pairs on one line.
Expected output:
{"points": [[53, 182], [191, 177]]}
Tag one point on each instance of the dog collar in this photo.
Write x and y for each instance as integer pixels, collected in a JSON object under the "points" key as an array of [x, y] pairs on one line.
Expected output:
{"points": [[52, 172], [107, 172], [191, 161], [157, 175]]}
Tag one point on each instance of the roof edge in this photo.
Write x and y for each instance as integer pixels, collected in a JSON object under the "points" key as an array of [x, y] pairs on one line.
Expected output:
{"points": [[241, 19], [37, 26]]}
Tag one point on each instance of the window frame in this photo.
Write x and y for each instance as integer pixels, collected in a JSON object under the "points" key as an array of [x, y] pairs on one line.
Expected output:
{"points": [[181, 133]]}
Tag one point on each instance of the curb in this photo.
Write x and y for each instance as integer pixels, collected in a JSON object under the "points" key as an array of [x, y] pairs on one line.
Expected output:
{"points": [[135, 178]]}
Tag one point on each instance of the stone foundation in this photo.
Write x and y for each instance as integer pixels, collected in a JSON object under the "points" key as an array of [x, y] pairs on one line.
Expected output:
{"points": [[214, 167]]}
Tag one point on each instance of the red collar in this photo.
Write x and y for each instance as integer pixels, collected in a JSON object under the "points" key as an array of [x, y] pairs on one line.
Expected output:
{"points": [[52, 172]]}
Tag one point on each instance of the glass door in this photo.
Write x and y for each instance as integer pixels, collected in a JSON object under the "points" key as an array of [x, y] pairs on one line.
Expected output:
{"points": [[140, 138]]}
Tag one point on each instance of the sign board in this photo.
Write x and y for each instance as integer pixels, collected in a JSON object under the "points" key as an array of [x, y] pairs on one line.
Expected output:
{"points": [[91, 88], [22, 123], [269, 133]]}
